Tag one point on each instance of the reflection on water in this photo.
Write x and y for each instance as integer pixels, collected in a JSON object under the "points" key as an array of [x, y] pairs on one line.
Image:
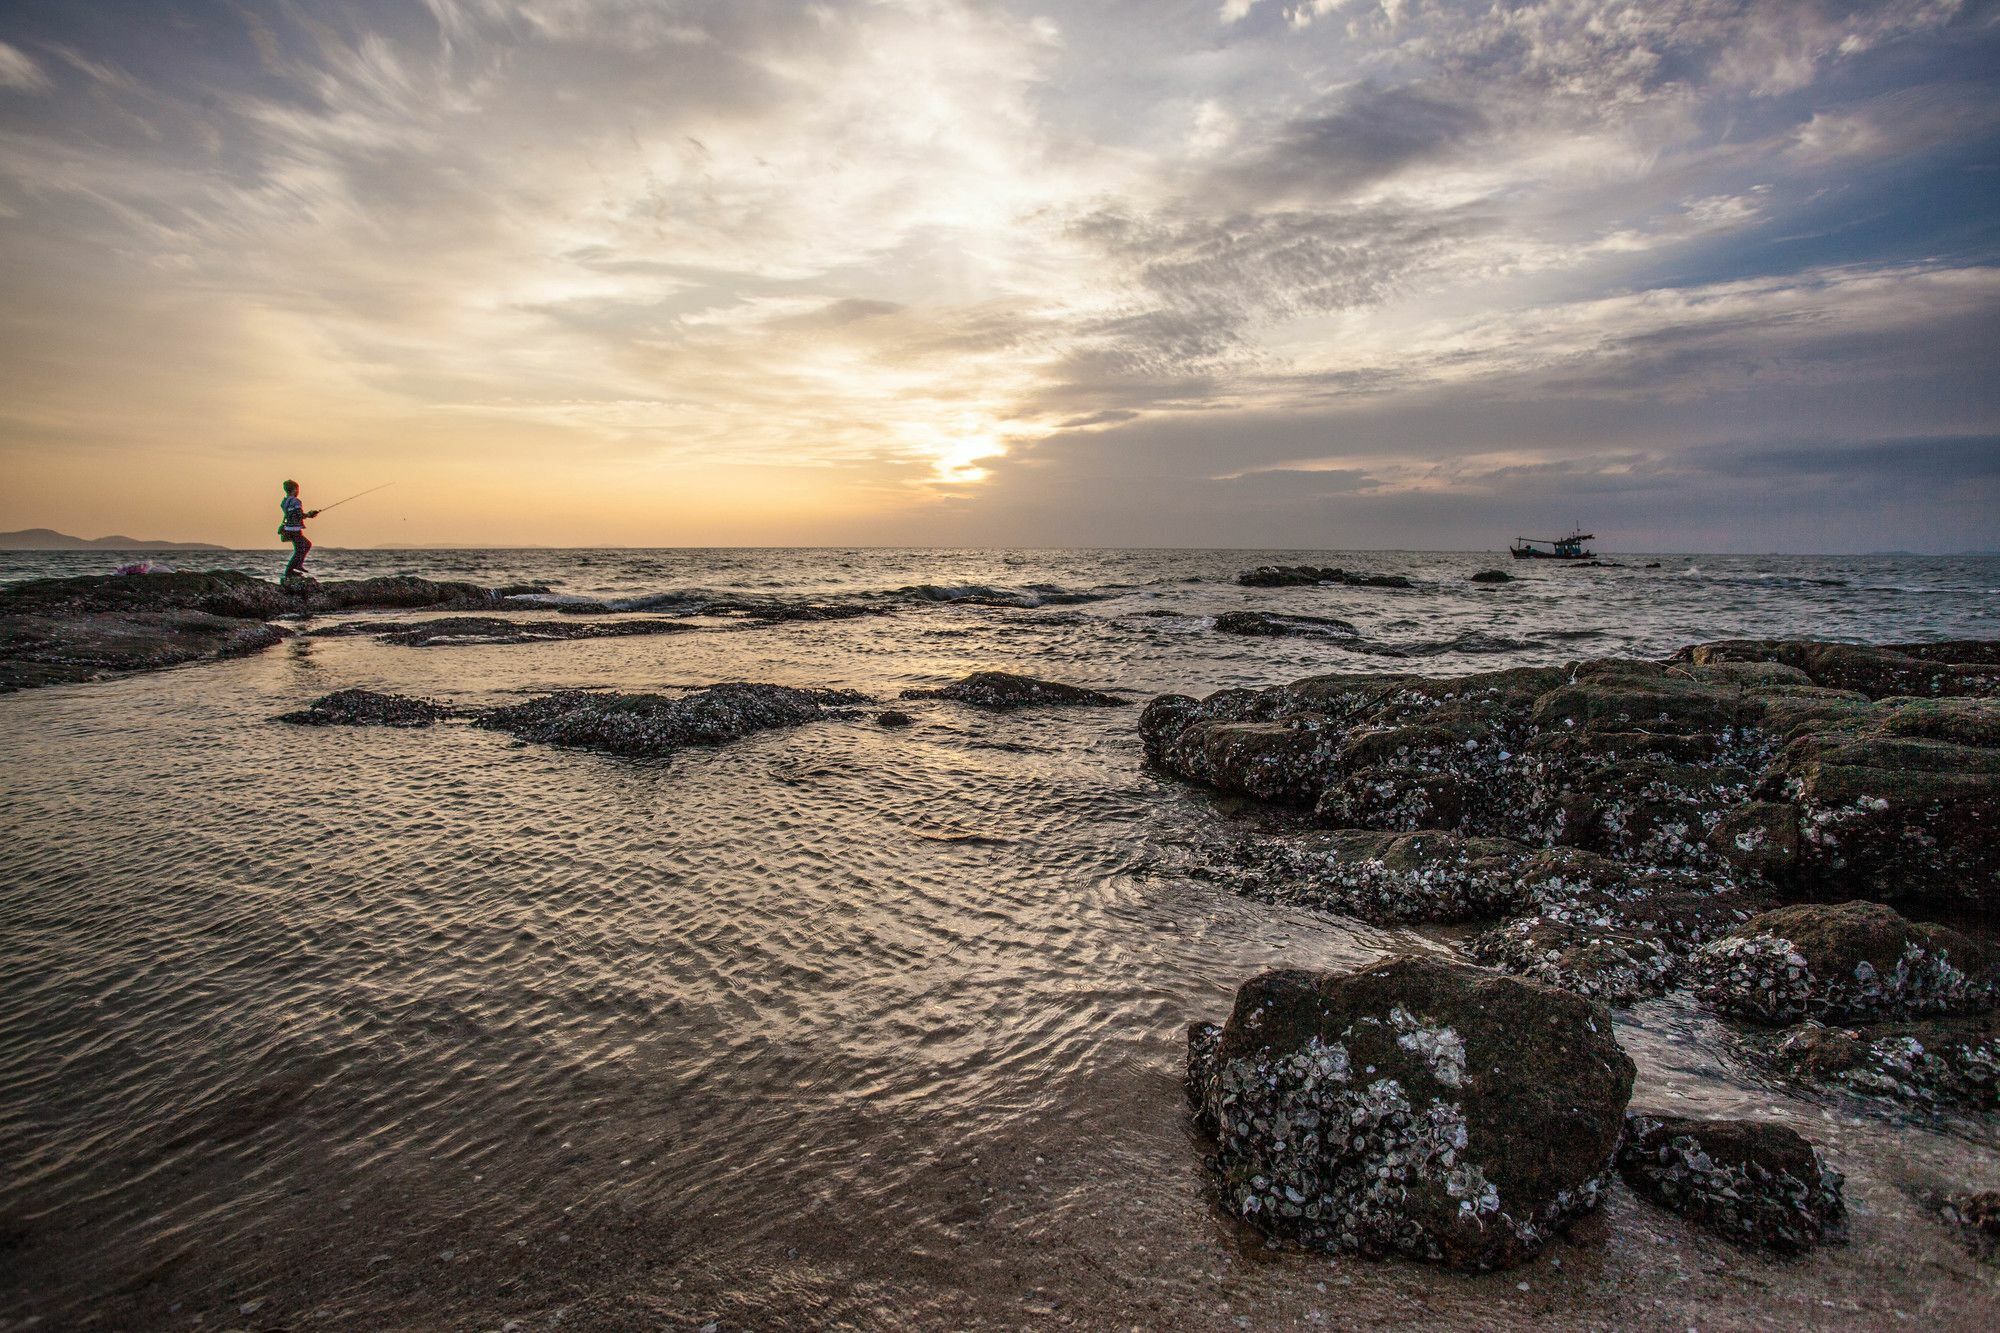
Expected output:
{"points": [[841, 1025]]}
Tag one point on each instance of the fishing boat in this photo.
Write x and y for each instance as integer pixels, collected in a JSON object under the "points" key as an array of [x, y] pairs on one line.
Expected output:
{"points": [[1560, 548]]}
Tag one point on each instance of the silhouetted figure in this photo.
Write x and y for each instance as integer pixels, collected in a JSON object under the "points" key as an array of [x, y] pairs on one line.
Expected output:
{"points": [[293, 529]]}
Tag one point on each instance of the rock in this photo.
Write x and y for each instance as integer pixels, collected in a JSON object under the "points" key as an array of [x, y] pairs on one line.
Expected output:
{"points": [[1295, 576], [788, 612], [1002, 690], [651, 725], [1492, 576], [1758, 1184], [1414, 1107], [1610, 930], [485, 631], [1853, 960], [366, 708], [1976, 1217], [37, 650], [1270, 624], [1932, 670], [1898, 802], [1034, 596], [69, 629], [1929, 1064], [893, 717], [1388, 877], [1716, 764], [1601, 963]]}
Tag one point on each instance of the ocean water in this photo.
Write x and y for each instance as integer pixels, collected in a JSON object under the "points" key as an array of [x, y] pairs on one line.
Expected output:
{"points": [[836, 1026]]}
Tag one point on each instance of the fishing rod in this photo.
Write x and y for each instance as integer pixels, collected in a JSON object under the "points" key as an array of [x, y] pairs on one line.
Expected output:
{"points": [[356, 496]]}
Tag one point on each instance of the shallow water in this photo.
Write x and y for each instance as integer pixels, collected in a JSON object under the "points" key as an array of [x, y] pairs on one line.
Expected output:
{"points": [[834, 1026]]}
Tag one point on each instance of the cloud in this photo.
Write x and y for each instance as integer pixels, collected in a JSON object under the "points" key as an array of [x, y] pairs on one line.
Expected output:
{"points": [[19, 72], [931, 254]]}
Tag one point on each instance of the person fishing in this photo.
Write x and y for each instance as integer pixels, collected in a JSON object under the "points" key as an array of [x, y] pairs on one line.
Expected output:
{"points": [[293, 529]]}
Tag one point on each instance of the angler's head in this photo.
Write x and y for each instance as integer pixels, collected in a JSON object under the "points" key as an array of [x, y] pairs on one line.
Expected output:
{"points": [[291, 488]]}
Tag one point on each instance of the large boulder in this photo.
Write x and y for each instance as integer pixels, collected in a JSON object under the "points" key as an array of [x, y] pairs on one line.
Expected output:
{"points": [[1855, 960], [1414, 1107], [1002, 690], [1758, 1184]]}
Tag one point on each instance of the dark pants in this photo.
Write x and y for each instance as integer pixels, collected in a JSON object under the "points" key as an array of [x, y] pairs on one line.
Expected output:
{"points": [[300, 546]]}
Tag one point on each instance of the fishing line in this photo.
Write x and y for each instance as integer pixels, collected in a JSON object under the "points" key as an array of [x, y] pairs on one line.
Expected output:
{"points": [[357, 495]]}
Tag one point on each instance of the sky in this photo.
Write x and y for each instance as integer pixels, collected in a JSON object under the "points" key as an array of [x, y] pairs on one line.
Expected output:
{"points": [[1697, 275]]}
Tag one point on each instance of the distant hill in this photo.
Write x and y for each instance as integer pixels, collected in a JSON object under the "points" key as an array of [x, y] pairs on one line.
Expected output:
{"points": [[48, 539]]}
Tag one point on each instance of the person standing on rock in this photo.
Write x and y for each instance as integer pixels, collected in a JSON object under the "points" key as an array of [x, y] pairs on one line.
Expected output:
{"points": [[293, 529]]}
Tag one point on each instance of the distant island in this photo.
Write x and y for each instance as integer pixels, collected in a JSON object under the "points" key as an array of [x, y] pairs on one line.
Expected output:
{"points": [[48, 539]]}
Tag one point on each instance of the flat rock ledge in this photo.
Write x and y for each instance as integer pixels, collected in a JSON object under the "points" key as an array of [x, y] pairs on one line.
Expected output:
{"points": [[58, 631], [635, 725], [1415, 1107], [1002, 690], [1760, 1185]]}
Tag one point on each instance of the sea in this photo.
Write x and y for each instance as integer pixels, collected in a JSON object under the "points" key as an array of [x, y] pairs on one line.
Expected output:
{"points": [[833, 1027]]}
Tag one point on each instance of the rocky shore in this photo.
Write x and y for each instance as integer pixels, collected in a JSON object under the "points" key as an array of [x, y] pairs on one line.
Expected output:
{"points": [[1748, 822]]}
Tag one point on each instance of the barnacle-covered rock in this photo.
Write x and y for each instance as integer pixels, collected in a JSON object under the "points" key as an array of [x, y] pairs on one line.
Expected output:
{"points": [[1612, 930], [1002, 690], [1758, 1184], [1928, 1064], [1598, 962], [1854, 960], [1976, 1218], [1930, 670], [1492, 576], [1900, 802], [366, 708], [1678, 908], [1388, 877], [1414, 1107], [653, 724]]}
